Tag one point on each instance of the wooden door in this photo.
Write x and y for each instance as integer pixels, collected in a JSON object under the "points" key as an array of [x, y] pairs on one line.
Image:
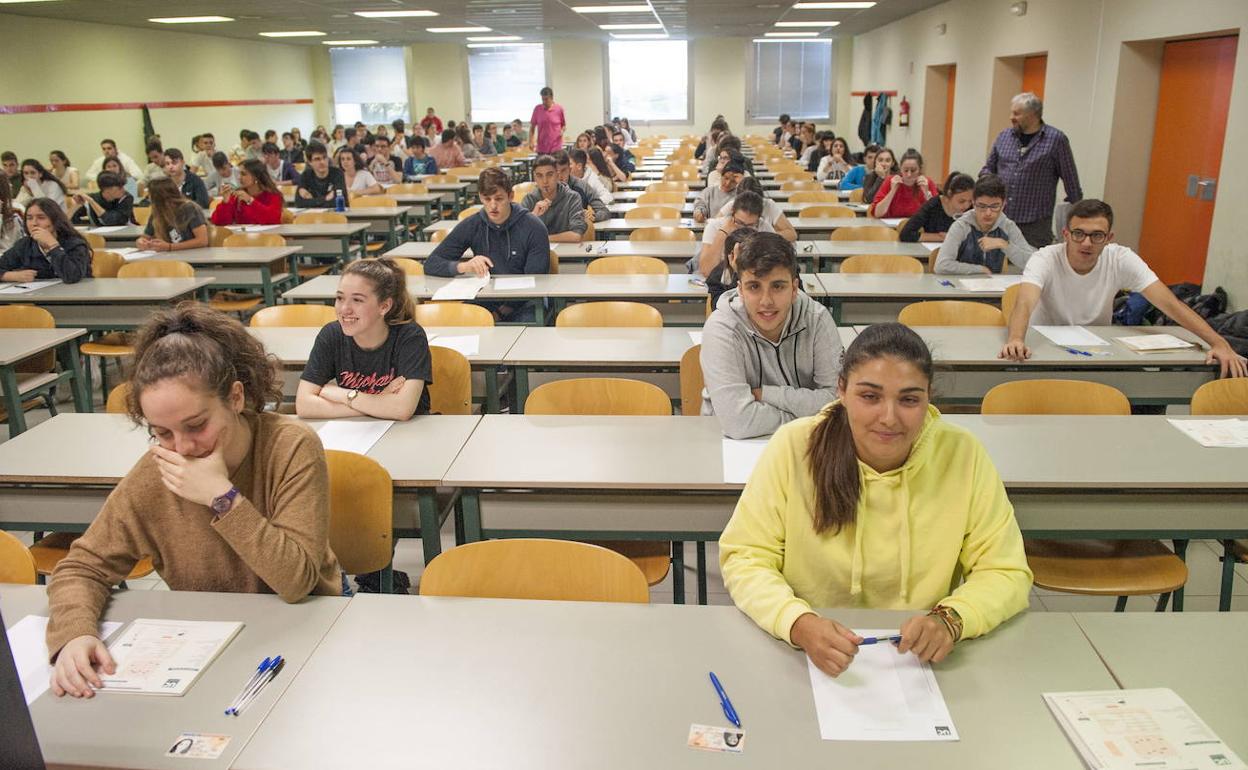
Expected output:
{"points": [[1034, 68], [1192, 104], [953, 80]]}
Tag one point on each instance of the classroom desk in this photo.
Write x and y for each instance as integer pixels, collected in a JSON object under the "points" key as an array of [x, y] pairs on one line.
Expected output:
{"points": [[16, 345], [1199, 655], [771, 190], [457, 190], [291, 346], [791, 210], [865, 298], [255, 267], [631, 196], [392, 221], [106, 304], [489, 683], [135, 731], [56, 476], [642, 184]]}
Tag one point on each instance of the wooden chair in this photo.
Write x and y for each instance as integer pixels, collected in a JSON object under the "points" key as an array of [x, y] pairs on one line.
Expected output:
{"points": [[409, 266], [691, 382], [552, 267], [519, 191], [817, 196], [94, 240], [681, 153], [17, 565], [451, 391], [314, 316], [865, 233], [651, 212], [321, 218], [798, 185], [217, 235], [142, 214], [811, 212], [934, 255], [36, 376], [439, 179], [554, 570], [288, 217], [253, 240], [229, 302], [374, 202], [609, 314], [794, 176], [1118, 568], [468, 212], [439, 235], [665, 233], [855, 196], [670, 198], [452, 314], [1008, 299], [669, 185], [950, 312], [116, 401], [408, 188], [680, 174], [361, 499], [156, 268], [105, 264], [627, 266], [881, 263], [1221, 397]]}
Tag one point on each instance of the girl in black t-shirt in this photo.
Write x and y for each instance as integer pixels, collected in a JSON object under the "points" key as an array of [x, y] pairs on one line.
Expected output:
{"points": [[176, 223], [374, 360]]}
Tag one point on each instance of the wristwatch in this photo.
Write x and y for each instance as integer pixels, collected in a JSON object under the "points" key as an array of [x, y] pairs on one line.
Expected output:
{"points": [[351, 394], [221, 505]]}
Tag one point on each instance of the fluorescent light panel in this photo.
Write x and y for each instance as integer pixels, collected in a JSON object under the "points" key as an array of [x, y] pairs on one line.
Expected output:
{"points": [[640, 36], [295, 33], [348, 42], [495, 39], [831, 6], [807, 23], [790, 34], [5, 2], [188, 19], [611, 8], [501, 45], [787, 40], [442, 30], [610, 27], [393, 14]]}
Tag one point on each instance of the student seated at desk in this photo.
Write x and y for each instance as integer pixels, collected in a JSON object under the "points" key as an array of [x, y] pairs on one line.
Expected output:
{"points": [[745, 210], [319, 184], [770, 353], [447, 154], [419, 163], [58, 164], [711, 199], [876, 502], [176, 224], [223, 173], [935, 217], [554, 203], [981, 240], [1073, 283], [584, 167], [385, 168], [38, 182], [111, 206], [11, 228], [885, 167], [52, 248], [903, 193], [228, 497], [257, 202], [590, 196], [773, 218], [375, 355], [12, 172], [837, 162], [281, 171], [292, 148], [109, 149], [724, 275], [202, 161], [192, 187], [359, 180], [854, 178]]}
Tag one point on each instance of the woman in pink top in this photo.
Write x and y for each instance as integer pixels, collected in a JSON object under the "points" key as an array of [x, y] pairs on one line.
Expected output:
{"points": [[903, 194], [548, 122]]}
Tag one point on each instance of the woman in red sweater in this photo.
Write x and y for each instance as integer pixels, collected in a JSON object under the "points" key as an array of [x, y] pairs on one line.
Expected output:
{"points": [[903, 194], [257, 203]]}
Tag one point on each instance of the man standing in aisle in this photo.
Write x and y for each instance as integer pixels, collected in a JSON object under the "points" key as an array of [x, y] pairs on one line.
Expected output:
{"points": [[547, 124], [1030, 157]]}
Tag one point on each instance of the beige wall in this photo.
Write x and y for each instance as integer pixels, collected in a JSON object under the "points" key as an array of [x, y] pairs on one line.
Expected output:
{"points": [[155, 65], [1084, 40]]}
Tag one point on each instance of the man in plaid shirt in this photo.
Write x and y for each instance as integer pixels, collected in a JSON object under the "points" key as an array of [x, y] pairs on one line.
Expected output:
{"points": [[1030, 157]]}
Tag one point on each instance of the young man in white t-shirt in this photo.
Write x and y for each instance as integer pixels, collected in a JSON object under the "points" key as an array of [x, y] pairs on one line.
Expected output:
{"points": [[1073, 283]]}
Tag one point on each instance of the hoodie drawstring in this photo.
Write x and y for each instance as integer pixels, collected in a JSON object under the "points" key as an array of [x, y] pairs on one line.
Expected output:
{"points": [[903, 545]]}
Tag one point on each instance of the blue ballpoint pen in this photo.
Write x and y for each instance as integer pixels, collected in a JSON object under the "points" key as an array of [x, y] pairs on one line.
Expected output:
{"points": [[878, 639], [947, 283], [729, 711], [1074, 352], [260, 670]]}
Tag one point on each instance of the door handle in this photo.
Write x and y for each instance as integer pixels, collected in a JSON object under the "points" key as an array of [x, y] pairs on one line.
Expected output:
{"points": [[1201, 188]]}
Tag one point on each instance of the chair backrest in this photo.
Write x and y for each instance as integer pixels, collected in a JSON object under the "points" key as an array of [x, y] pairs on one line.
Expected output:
{"points": [[817, 196], [552, 267], [361, 500], [452, 314], [439, 179], [288, 217], [30, 317], [627, 266], [519, 568], [665, 233], [800, 184], [17, 563], [105, 264], [609, 314], [374, 202], [116, 402], [469, 211], [1008, 299], [519, 191], [675, 198], [243, 240], [321, 218], [865, 233], [793, 176], [855, 196], [934, 255], [410, 266], [294, 315], [142, 214], [1055, 397], [951, 312], [691, 382], [217, 234], [94, 240], [680, 174], [826, 211], [408, 188], [1221, 397], [669, 185], [680, 153], [451, 391], [599, 396], [881, 263], [156, 268], [439, 235], [651, 212]]}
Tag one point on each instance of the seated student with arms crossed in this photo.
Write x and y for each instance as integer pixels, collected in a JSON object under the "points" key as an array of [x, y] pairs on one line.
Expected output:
{"points": [[554, 203], [1073, 283], [112, 205], [935, 217], [51, 249], [229, 497], [176, 223], [319, 184], [256, 202], [770, 353], [876, 502], [982, 239]]}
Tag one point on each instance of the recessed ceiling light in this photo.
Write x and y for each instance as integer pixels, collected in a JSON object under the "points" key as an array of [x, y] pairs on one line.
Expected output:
{"points": [[790, 34], [831, 6], [639, 36], [393, 14], [783, 40], [440, 30], [191, 19], [807, 23], [348, 42], [611, 8], [610, 27], [495, 39], [23, 1], [504, 45], [767, 5], [296, 33]]}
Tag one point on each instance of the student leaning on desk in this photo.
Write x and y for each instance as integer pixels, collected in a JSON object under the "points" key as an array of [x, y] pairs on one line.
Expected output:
{"points": [[876, 502], [1073, 283], [228, 497]]}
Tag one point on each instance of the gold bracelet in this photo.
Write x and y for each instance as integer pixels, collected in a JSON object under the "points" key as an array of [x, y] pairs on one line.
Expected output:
{"points": [[950, 617]]}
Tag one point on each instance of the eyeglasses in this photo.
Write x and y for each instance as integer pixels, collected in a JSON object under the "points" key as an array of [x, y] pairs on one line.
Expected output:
{"points": [[739, 223], [1098, 236], [994, 207]]}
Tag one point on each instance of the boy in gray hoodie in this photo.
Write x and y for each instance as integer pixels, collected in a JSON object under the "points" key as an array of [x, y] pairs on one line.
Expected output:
{"points": [[770, 353], [981, 240], [555, 203]]}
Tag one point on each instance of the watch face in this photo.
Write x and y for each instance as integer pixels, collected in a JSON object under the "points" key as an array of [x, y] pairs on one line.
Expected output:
{"points": [[222, 504]]}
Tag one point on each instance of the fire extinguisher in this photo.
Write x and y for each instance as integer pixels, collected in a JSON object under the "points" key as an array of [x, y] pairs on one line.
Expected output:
{"points": [[903, 113]]}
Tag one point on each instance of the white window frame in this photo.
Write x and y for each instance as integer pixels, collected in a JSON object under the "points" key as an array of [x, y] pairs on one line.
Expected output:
{"points": [[751, 116], [528, 113], [407, 94], [606, 88]]}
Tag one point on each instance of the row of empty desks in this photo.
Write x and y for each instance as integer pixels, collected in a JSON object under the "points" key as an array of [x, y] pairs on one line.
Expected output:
{"points": [[109, 303], [18, 346], [311, 240]]}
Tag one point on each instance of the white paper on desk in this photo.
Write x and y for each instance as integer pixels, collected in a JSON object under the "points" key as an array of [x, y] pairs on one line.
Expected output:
{"points": [[992, 283], [696, 337], [461, 289], [135, 255], [1145, 343], [883, 696], [259, 228], [466, 345], [106, 229], [1072, 336], [353, 435], [165, 657], [1222, 434], [891, 221], [931, 245], [740, 457], [519, 282], [29, 286], [28, 638]]}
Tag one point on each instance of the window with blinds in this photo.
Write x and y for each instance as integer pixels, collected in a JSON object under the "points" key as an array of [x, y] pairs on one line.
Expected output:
{"points": [[370, 84], [791, 76], [505, 81], [649, 79]]}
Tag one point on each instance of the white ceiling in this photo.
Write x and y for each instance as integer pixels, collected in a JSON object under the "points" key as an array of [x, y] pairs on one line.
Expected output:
{"points": [[530, 19]]}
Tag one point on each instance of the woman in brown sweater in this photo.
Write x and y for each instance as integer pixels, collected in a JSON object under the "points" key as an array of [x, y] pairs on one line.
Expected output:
{"points": [[228, 498]]}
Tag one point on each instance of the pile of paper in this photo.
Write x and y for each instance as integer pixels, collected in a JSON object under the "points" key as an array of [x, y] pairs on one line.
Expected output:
{"points": [[1151, 343], [1227, 433], [165, 657], [353, 434]]}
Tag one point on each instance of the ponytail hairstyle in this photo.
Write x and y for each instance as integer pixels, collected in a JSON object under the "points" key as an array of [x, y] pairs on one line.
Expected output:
{"points": [[833, 456], [207, 347], [911, 154], [957, 182], [389, 282]]}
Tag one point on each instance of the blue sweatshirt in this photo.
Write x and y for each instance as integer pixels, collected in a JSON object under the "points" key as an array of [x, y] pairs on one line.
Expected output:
{"points": [[519, 246], [413, 166]]}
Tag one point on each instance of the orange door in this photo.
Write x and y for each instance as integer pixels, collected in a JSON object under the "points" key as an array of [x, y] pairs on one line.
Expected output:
{"points": [[953, 80], [1034, 68], [1192, 104]]}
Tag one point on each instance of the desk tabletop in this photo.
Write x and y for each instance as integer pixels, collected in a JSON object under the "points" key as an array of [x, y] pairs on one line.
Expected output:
{"points": [[916, 286], [16, 344], [235, 255], [573, 286], [851, 248], [555, 346], [292, 345], [111, 290], [979, 346]]}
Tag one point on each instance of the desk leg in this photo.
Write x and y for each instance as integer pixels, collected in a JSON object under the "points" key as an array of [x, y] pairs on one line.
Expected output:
{"points": [[701, 546], [678, 572], [1228, 575], [12, 400], [519, 389], [430, 538], [471, 499], [266, 284], [834, 305], [491, 390], [1180, 550], [346, 250], [68, 354], [390, 234]]}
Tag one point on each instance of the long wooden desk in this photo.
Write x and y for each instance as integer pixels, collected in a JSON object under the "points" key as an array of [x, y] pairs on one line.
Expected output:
{"points": [[105, 304], [864, 298], [17, 345]]}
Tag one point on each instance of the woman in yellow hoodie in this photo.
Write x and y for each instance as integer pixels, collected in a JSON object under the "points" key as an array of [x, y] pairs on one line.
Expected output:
{"points": [[876, 502]]}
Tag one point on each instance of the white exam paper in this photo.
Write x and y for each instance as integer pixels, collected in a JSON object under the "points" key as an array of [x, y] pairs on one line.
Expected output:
{"points": [[740, 457], [135, 254], [509, 284], [891, 221], [1145, 342], [1223, 434], [460, 289], [165, 657], [1073, 336], [106, 229], [353, 434], [931, 245], [466, 345], [29, 286], [28, 638], [696, 337], [992, 283], [883, 696]]}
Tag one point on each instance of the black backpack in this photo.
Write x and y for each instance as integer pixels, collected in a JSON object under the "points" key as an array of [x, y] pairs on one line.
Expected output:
{"points": [[1234, 328]]}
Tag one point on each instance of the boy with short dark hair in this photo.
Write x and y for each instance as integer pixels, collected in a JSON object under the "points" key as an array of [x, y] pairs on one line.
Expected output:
{"points": [[9, 159], [982, 239], [555, 204], [111, 206], [419, 163], [319, 184]]}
